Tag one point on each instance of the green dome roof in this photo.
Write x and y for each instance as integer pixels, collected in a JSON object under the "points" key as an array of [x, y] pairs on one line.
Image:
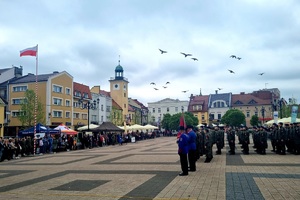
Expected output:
{"points": [[119, 68]]}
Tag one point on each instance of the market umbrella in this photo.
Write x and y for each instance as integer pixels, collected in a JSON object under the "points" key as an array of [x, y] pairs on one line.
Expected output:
{"points": [[66, 130], [149, 126]]}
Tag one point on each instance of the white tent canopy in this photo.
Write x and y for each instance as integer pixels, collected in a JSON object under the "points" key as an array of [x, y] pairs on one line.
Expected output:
{"points": [[91, 126]]}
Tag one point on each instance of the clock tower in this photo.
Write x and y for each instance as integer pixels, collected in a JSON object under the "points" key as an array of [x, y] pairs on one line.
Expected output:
{"points": [[119, 90]]}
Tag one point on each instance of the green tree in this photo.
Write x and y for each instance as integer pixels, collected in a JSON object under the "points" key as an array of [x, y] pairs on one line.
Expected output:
{"points": [[27, 113], [165, 123], [233, 117], [189, 118], [254, 120]]}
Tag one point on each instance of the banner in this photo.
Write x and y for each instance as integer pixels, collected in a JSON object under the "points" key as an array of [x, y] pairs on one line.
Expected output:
{"points": [[275, 117], [294, 114]]}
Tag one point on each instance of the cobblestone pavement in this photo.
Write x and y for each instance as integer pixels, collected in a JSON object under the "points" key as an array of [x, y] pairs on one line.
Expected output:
{"points": [[149, 170]]}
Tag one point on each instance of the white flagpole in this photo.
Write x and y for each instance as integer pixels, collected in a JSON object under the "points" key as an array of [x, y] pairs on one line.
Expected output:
{"points": [[35, 101]]}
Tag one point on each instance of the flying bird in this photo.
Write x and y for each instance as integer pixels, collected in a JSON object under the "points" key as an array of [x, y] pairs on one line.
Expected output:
{"points": [[184, 91], [167, 82], [232, 56], [195, 59], [231, 71], [152, 83], [155, 89], [220, 88], [165, 87], [261, 73], [162, 51], [239, 58], [186, 54]]}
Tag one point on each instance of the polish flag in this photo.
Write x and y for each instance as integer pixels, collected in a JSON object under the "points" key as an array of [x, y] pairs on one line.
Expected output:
{"points": [[182, 121], [32, 51]]}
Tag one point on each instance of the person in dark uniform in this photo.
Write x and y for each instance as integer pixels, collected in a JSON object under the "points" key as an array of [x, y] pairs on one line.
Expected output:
{"points": [[231, 139], [183, 149], [192, 149], [281, 138], [208, 145], [246, 141], [297, 139]]}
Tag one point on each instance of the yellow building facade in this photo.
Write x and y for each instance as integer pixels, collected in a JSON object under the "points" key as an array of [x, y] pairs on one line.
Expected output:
{"points": [[2, 114], [54, 91]]}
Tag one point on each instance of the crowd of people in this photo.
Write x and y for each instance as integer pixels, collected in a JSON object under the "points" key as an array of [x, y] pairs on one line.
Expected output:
{"points": [[191, 145], [15, 148]]}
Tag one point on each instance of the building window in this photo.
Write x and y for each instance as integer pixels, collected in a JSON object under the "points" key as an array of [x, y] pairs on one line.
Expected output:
{"points": [[17, 113], [19, 88], [17, 101], [101, 107], [256, 113], [94, 118], [124, 105], [202, 117], [107, 108], [68, 91], [211, 116], [75, 104], [85, 95], [222, 104], [153, 110], [101, 118], [124, 94], [76, 115], [57, 113], [57, 89], [219, 116], [57, 101], [77, 94], [176, 109], [168, 109], [84, 116], [68, 103], [215, 105], [248, 113], [158, 110], [68, 114]]}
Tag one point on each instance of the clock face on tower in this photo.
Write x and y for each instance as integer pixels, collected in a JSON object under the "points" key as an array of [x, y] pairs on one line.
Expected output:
{"points": [[116, 86]]}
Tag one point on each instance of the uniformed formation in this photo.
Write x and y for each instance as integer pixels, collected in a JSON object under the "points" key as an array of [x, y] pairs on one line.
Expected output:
{"points": [[284, 138]]}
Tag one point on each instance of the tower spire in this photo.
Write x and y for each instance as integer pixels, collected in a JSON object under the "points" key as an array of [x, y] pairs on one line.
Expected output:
{"points": [[200, 92], [119, 59]]}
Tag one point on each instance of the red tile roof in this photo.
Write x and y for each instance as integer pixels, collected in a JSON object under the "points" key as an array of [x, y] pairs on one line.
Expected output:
{"points": [[199, 100], [105, 93], [245, 99], [83, 89], [115, 105]]}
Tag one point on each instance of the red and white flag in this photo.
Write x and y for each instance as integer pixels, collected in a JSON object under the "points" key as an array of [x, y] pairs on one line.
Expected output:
{"points": [[182, 121], [32, 51]]}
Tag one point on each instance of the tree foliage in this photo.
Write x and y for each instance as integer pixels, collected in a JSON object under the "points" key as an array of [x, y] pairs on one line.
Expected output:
{"points": [[254, 120], [27, 113], [171, 122], [233, 117]]}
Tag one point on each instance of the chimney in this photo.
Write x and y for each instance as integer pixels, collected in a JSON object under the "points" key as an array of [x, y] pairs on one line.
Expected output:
{"points": [[242, 93], [216, 91]]}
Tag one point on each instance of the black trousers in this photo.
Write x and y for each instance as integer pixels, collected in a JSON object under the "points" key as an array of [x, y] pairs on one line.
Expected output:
{"points": [[192, 160], [184, 163]]}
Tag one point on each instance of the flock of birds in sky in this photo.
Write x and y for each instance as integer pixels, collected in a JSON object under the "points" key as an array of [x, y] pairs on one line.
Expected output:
{"points": [[195, 59]]}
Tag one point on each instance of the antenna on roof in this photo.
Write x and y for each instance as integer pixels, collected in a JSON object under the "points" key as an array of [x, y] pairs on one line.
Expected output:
{"points": [[200, 92]]}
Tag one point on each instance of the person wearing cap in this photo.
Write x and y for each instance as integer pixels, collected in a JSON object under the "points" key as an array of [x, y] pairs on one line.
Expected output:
{"points": [[263, 141], [183, 149], [219, 139], [192, 149], [246, 140], [289, 138], [273, 137], [281, 139], [231, 139], [208, 145], [297, 139]]}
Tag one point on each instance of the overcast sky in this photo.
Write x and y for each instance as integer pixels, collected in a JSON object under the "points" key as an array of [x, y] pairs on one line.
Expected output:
{"points": [[86, 37]]}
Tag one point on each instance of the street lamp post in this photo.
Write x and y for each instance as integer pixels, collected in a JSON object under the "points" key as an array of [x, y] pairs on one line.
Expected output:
{"points": [[89, 106], [263, 113]]}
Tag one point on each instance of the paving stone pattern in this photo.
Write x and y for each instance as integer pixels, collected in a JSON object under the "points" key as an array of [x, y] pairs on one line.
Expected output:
{"points": [[149, 170]]}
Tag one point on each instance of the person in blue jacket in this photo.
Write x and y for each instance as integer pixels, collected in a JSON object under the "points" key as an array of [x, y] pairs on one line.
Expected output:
{"points": [[192, 155], [183, 149]]}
